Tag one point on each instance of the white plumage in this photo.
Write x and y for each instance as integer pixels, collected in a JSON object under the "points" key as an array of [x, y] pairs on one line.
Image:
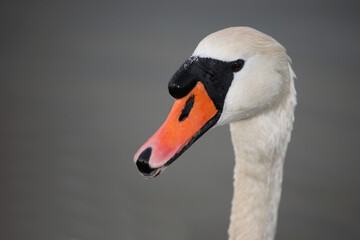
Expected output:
{"points": [[260, 109]]}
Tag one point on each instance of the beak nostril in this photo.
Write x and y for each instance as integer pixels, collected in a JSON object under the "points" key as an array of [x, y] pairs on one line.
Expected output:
{"points": [[187, 108], [142, 162]]}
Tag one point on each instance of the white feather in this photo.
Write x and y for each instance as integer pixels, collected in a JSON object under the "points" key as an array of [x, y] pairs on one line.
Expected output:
{"points": [[259, 106]]}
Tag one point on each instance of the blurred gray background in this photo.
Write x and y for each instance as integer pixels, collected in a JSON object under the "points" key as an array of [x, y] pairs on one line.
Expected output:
{"points": [[83, 84]]}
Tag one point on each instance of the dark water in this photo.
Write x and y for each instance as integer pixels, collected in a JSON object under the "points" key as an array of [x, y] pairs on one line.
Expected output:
{"points": [[84, 84]]}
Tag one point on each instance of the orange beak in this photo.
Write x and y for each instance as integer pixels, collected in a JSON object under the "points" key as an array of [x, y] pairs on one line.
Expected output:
{"points": [[188, 119]]}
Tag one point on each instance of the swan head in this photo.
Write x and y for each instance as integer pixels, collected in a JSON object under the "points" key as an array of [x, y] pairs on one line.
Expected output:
{"points": [[233, 74]]}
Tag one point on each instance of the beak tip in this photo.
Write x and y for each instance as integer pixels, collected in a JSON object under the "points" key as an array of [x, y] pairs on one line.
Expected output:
{"points": [[142, 163]]}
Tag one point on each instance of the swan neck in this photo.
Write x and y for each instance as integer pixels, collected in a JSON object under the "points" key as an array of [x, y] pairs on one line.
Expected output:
{"points": [[259, 144]]}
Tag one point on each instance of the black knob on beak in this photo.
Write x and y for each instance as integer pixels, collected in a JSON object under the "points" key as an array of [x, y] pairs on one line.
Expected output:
{"points": [[183, 81]]}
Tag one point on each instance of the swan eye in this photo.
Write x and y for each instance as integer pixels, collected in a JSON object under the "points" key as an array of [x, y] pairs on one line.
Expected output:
{"points": [[237, 66]]}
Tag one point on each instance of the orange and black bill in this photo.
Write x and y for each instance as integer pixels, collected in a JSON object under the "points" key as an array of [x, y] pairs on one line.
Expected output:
{"points": [[188, 119], [199, 87]]}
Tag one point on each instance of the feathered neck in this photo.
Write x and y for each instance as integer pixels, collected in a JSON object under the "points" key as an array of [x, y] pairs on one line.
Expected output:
{"points": [[260, 144]]}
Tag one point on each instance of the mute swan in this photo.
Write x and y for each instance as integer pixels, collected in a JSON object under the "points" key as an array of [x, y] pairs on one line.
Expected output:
{"points": [[242, 77]]}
